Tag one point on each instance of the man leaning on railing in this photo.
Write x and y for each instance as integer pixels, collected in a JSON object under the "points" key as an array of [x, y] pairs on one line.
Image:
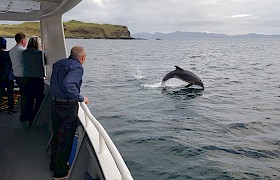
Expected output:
{"points": [[65, 84]]}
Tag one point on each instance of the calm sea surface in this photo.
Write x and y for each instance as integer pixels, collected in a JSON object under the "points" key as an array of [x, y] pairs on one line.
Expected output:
{"points": [[231, 130]]}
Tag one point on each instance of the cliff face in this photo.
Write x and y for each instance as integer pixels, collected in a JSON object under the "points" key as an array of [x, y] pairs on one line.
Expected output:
{"points": [[72, 29], [77, 29]]}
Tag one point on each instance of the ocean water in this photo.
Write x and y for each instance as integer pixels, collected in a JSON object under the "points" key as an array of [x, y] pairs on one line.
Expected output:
{"points": [[229, 130]]}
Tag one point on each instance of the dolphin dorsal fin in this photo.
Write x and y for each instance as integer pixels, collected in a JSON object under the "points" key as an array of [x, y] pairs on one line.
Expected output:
{"points": [[178, 68]]}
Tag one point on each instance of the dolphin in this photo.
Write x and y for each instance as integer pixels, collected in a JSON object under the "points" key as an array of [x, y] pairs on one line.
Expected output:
{"points": [[184, 75]]}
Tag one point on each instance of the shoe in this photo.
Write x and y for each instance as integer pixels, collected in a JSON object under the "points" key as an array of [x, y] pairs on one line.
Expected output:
{"points": [[62, 178], [65, 177]]}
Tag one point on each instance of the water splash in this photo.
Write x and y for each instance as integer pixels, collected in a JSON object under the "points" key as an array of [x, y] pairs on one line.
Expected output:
{"points": [[138, 74]]}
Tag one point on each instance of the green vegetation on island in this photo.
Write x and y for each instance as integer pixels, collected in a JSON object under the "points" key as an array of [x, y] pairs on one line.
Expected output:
{"points": [[72, 29]]}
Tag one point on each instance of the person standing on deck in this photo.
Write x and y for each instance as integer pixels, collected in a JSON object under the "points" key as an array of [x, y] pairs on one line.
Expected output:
{"points": [[6, 76], [16, 58], [33, 73], [65, 84]]}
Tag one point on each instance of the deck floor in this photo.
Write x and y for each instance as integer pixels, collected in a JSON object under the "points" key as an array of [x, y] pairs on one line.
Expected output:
{"points": [[23, 153]]}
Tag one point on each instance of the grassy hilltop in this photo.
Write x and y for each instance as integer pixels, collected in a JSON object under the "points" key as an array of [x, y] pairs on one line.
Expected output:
{"points": [[72, 29]]}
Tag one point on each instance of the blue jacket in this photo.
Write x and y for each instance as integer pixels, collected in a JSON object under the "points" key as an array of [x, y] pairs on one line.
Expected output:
{"points": [[66, 79]]}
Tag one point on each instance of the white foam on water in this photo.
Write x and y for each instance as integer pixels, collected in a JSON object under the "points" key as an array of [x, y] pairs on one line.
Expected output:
{"points": [[154, 85], [173, 83]]}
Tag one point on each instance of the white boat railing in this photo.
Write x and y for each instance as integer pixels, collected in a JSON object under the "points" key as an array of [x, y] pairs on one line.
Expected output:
{"points": [[105, 142]]}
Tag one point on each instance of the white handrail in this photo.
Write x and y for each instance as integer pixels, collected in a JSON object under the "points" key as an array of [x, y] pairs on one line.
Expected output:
{"points": [[104, 138]]}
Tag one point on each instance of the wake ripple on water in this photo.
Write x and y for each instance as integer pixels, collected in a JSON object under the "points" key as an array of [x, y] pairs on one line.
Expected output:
{"points": [[251, 160], [186, 93], [241, 129], [247, 152]]}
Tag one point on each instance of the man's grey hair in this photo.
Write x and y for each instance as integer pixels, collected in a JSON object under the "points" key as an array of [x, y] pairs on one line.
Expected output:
{"points": [[78, 51]]}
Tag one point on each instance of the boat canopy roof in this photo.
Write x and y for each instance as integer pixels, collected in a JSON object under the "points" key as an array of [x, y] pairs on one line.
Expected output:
{"points": [[32, 10]]}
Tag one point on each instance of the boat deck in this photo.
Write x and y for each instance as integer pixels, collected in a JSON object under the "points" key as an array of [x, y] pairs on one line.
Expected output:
{"points": [[23, 153]]}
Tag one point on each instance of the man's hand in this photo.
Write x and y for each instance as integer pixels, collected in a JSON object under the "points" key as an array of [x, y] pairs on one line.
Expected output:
{"points": [[86, 100]]}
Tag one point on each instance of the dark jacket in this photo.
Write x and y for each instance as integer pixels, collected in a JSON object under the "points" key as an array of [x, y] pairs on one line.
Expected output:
{"points": [[32, 61], [6, 72]]}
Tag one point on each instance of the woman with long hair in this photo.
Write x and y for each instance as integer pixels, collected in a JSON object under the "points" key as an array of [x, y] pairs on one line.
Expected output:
{"points": [[33, 73]]}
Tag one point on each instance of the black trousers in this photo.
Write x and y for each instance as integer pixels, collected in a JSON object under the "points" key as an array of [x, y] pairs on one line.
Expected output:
{"points": [[65, 122], [32, 96]]}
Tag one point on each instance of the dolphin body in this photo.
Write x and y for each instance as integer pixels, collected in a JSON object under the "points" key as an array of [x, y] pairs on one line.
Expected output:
{"points": [[184, 75]]}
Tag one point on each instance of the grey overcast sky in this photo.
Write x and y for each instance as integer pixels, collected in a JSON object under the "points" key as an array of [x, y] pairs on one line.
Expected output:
{"points": [[216, 16]]}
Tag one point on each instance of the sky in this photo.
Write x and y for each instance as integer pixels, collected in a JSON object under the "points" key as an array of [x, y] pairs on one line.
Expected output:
{"points": [[214, 16], [229, 17]]}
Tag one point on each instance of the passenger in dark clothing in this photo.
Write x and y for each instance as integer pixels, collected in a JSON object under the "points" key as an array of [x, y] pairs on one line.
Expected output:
{"points": [[65, 84], [33, 77], [6, 76]]}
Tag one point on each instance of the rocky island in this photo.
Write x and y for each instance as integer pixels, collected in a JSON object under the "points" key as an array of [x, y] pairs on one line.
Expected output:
{"points": [[72, 29]]}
